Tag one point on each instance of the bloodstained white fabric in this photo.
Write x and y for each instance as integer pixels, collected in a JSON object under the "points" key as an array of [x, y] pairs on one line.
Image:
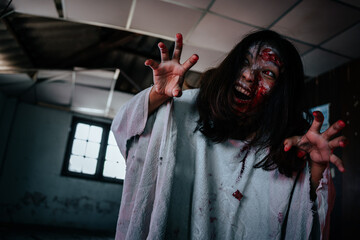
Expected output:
{"points": [[180, 185]]}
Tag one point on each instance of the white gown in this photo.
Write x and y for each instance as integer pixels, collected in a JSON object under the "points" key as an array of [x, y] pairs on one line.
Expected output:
{"points": [[180, 185]]}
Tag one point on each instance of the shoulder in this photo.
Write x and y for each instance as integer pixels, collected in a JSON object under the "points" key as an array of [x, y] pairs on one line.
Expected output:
{"points": [[186, 104], [188, 96]]}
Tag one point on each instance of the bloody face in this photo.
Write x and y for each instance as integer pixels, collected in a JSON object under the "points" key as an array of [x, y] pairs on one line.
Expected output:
{"points": [[260, 71]]}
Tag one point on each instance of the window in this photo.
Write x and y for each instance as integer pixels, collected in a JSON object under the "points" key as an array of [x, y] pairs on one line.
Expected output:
{"points": [[92, 152]]}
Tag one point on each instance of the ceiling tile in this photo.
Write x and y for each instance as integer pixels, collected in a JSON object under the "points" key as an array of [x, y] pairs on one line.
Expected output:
{"points": [[256, 12], [95, 78], [14, 78], [54, 92], [91, 81], [198, 3], [355, 3], [163, 18], [55, 75], [112, 12], [36, 7], [316, 21], [302, 48], [218, 33], [87, 97], [318, 62], [207, 58], [346, 43]]}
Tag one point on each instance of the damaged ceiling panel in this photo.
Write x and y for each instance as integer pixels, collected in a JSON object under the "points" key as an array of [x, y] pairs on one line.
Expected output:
{"points": [[60, 52]]}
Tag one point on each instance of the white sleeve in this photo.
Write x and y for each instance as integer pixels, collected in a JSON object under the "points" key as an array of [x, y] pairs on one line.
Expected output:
{"points": [[325, 198], [311, 219], [131, 120]]}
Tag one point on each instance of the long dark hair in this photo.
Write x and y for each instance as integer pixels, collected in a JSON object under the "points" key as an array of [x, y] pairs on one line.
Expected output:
{"points": [[280, 116]]}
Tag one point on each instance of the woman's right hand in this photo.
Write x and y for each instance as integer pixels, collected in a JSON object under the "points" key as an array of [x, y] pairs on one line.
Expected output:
{"points": [[169, 74]]}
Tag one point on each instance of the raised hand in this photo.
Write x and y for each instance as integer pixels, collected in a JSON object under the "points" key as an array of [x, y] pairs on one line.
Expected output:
{"points": [[169, 74], [320, 146]]}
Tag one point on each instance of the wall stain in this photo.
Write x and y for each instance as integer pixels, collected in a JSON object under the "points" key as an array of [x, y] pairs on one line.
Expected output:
{"points": [[72, 202], [34, 198], [86, 204], [33, 202], [106, 207]]}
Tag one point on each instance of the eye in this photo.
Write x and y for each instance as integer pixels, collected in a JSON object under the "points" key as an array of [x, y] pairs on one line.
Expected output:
{"points": [[246, 62], [269, 73]]}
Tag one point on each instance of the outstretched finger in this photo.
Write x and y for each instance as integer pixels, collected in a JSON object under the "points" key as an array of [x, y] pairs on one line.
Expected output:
{"points": [[338, 142], [190, 62], [290, 142], [164, 52], [151, 63], [338, 163], [334, 129], [318, 121], [178, 47]]}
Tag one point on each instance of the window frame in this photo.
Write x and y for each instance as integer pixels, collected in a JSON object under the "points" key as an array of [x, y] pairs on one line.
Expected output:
{"points": [[98, 176]]}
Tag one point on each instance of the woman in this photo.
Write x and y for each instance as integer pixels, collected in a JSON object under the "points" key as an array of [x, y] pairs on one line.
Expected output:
{"points": [[233, 160]]}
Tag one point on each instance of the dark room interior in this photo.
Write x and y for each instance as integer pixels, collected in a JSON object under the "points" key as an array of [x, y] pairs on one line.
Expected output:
{"points": [[71, 64]]}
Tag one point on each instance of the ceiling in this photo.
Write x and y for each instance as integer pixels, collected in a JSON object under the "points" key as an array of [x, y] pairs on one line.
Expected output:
{"points": [[88, 55]]}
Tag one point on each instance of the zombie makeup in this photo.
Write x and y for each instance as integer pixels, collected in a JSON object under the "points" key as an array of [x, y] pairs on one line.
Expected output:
{"points": [[269, 55], [260, 71]]}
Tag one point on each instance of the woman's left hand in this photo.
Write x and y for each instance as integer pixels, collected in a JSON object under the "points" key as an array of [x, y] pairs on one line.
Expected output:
{"points": [[319, 146]]}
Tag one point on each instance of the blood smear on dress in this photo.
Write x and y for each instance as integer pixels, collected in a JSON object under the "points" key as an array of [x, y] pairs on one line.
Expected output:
{"points": [[238, 195]]}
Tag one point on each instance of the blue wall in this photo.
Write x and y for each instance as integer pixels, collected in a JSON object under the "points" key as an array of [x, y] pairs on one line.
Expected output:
{"points": [[33, 143]]}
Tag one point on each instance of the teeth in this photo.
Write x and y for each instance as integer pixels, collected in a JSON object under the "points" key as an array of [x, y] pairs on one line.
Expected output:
{"points": [[242, 90]]}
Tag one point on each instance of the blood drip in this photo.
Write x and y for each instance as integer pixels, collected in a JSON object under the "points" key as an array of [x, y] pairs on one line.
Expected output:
{"points": [[238, 195]]}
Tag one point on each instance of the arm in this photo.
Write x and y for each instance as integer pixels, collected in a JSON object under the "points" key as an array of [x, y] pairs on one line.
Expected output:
{"points": [[156, 100], [168, 75], [131, 120], [320, 147]]}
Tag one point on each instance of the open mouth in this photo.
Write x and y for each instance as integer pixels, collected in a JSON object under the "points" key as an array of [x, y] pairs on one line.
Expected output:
{"points": [[242, 94]]}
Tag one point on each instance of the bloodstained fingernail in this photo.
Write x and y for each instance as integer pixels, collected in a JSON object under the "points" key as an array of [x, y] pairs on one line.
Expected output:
{"points": [[342, 144], [341, 123], [195, 57], [161, 45], [179, 36], [318, 116]]}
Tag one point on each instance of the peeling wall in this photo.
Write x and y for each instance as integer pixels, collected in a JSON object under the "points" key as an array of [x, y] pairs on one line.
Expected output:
{"points": [[32, 188]]}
